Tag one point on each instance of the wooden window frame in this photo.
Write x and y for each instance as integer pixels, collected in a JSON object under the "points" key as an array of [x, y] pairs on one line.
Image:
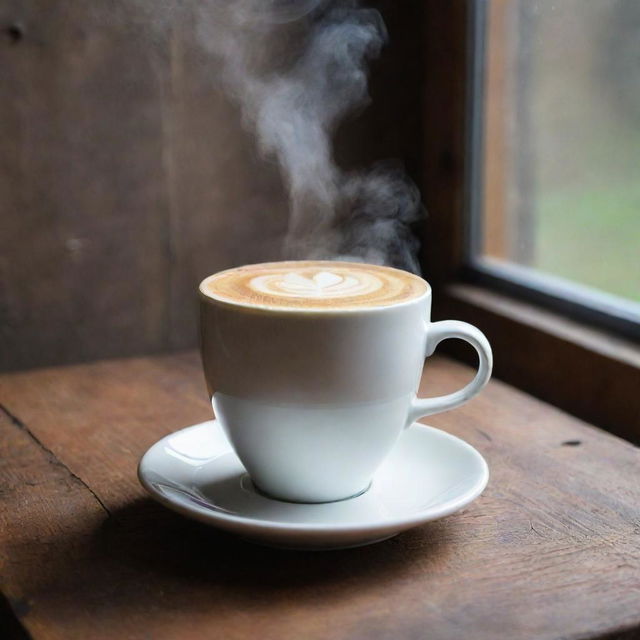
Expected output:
{"points": [[553, 353]]}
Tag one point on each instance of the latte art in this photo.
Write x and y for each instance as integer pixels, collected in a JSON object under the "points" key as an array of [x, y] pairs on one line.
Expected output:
{"points": [[313, 285], [324, 284]]}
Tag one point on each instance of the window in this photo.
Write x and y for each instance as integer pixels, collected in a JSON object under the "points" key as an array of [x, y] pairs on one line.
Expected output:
{"points": [[532, 179], [558, 214]]}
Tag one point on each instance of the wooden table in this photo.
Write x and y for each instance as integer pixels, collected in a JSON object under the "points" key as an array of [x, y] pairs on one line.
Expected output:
{"points": [[551, 549]]}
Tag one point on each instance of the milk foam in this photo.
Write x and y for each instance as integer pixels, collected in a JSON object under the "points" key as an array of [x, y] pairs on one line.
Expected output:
{"points": [[313, 285], [324, 284]]}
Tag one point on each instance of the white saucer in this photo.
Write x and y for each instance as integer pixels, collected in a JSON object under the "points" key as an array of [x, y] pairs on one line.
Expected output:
{"points": [[428, 475]]}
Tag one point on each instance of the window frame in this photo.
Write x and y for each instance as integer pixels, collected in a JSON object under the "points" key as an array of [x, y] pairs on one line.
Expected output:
{"points": [[582, 359]]}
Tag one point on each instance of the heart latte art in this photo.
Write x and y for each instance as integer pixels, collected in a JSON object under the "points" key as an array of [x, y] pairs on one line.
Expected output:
{"points": [[313, 285], [324, 284]]}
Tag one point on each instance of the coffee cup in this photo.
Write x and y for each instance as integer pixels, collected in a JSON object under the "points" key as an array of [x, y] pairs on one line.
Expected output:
{"points": [[313, 367]]}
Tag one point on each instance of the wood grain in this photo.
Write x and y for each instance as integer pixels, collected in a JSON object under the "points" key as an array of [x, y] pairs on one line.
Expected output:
{"points": [[444, 92], [590, 373], [124, 174], [497, 153], [551, 550]]}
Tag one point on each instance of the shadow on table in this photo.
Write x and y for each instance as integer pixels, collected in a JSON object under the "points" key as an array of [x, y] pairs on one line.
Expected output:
{"points": [[149, 537], [145, 558]]}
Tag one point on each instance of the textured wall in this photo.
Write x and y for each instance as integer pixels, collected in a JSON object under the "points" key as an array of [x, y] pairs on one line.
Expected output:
{"points": [[126, 177]]}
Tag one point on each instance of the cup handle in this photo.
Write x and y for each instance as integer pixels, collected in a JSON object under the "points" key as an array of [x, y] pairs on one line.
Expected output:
{"points": [[436, 333]]}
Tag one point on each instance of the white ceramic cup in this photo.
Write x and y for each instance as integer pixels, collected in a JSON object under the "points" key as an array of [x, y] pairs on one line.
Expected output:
{"points": [[313, 400]]}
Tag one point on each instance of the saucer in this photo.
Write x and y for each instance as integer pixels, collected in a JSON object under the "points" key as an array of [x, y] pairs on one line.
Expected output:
{"points": [[428, 475]]}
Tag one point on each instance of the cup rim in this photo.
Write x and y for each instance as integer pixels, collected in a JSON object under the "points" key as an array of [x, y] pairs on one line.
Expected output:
{"points": [[208, 297]]}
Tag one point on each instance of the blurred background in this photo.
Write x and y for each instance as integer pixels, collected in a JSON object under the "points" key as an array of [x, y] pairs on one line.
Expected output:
{"points": [[126, 175]]}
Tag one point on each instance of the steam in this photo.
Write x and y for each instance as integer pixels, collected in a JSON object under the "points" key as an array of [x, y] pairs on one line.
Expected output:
{"points": [[297, 68]]}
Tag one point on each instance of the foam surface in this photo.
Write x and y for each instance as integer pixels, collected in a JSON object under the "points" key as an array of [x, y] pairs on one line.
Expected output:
{"points": [[314, 285]]}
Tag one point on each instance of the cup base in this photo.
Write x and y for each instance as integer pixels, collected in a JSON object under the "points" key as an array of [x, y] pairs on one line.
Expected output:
{"points": [[250, 485]]}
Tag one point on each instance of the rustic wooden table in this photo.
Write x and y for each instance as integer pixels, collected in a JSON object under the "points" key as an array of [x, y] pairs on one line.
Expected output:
{"points": [[551, 549]]}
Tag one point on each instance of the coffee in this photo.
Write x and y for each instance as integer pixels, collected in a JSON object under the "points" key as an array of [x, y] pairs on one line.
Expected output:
{"points": [[312, 368], [314, 285]]}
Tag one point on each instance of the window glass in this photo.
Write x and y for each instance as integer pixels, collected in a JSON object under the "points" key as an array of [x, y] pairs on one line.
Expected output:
{"points": [[561, 141]]}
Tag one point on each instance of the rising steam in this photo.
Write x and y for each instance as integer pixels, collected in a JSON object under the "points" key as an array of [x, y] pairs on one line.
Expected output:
{"points": [[297, 67]]}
